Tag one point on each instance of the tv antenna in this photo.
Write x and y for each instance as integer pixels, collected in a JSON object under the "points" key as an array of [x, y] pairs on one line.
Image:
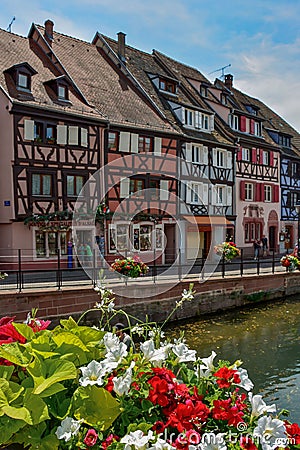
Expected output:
{"points": [[9, 26], [221, 68]]}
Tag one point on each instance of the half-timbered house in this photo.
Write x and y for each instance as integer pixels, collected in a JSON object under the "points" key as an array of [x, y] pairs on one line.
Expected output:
{"points": [[257, 165], [138, 167], [205, 159], [50, 144]]}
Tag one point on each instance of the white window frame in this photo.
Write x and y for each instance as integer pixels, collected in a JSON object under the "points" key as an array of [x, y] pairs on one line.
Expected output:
{"points": [[267, 193], [246, 155], [249, 192], [47, 252], [196, 193], [234, 122], [257, 129], [121, 238]]}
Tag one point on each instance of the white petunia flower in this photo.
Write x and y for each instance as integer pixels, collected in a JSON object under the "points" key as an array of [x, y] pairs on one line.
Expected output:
{"points": [[269, 431], [258, 405], [110, 340], [212, 441], [137, 329], [137, 440], [245, 383], [92, 374], [68, 428], [156, 356], [183, 353], [122, 384], [206, 367], [161, 444], [116, 353]]}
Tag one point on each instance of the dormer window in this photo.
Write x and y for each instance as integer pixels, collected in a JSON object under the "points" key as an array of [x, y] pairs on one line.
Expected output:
{"points": [[203, 90], [62, 92], [21, 74], [224, 99], [252, 109], [167, 85], [197, 120], [58, 89]]}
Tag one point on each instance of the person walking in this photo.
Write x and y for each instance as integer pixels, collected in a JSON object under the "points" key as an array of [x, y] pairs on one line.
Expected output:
{"points": [[124, 337], [256, 247], [264, 242], [88, 254]]}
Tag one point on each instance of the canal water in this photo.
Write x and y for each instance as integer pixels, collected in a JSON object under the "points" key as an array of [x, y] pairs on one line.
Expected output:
{"points": [[265, 338]]}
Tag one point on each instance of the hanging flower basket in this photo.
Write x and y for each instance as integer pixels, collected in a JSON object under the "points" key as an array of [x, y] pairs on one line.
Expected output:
{"points": [[290, 262], [130, 267], [228, 250]]}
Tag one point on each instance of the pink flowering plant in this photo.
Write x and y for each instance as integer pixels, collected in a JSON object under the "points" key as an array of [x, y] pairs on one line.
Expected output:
{"points": [[291, 262], [80, 387], [132, 267]]}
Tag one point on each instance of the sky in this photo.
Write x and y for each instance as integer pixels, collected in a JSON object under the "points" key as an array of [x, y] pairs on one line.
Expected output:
{"points": [[260, 39]]}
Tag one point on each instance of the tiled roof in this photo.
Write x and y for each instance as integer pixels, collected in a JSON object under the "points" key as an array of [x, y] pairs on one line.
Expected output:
{"points": [[15, 50], [141, 64], [109, 91]]}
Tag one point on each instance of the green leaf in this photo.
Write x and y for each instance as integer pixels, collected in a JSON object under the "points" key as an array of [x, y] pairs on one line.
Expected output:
{"points": [[36, 406], [89, 336], [21, 413], [8, 428], [42, 345], [9, 392], [33, 436], [6, 372], [69, 339], [47, 373], [24, 330], [96, 406], [52, 390], [69, 323], [15, 353]]}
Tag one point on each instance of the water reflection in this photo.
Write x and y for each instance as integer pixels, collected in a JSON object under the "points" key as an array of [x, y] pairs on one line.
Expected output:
{"points": [[265, 338]]}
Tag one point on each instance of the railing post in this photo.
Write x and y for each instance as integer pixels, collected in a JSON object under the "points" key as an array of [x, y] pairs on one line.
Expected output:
{"points": [[242, 262], [154, 274], [20, 280], [273, 261], [258, 264], [202, 267], [179, 265], [223, 265], [94, 268], [58, 273]]}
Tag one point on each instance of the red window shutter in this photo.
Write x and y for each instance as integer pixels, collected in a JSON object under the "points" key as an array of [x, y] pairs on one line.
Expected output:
{"points": [[271, 159], [243, 123], [258, 187], [252, 126], [239, 155], [276, 193], [254, 155], [261, 156], [242, 190]]}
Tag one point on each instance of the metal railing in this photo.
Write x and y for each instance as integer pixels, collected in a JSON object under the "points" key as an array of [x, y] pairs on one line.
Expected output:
{"points": [[24, 272]]}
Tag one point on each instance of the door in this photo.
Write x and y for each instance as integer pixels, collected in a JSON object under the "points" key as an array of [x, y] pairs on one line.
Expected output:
{"points": [[272, 238], [170, 243]]}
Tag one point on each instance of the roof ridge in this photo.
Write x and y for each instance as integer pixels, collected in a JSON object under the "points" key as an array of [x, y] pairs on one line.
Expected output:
{"points": [[65, 35], [14, 34], [179, 62], [127, 46]]}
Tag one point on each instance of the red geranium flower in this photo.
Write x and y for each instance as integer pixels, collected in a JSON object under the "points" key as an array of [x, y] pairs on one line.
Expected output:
{"points": [[247, 443], [226, 377], [293, 432]]}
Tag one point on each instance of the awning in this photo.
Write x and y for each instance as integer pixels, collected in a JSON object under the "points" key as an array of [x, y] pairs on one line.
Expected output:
{"points": [[209, 220]]}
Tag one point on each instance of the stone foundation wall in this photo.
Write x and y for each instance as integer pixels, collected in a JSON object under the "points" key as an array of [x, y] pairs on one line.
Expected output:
{"points": [[211, 296]]}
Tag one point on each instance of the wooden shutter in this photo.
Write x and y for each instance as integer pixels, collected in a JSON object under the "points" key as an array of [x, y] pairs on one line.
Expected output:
{"points": [[254, 155], [164, 190], [211, 122], [214, 195], [214, 157], [239, 155], [157, 146], [258, 191], [252, 126], [197, 116], [229, 160], [183, 115], [124, 187], [205, 194], [29, 130], [134, 143], [73, 135], [261, 156], [188, 151], [242, 190], [124, 141], [276, 193], [271, 159], [205, 154], [84, 137], [62, 134], [228, 195], [188, 195], [243, 123]]}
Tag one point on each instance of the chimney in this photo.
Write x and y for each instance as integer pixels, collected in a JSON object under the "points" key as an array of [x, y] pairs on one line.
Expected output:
{"points": [[49, 31], [229, 81], [121, 47]]}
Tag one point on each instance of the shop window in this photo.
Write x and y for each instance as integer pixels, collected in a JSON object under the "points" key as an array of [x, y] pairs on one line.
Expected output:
{"points": [[48, 243]]}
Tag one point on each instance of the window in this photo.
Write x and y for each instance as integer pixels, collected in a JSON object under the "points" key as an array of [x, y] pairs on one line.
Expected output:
{"points": [[62, 92], [38, 132], [220, 158], [224, 99], [257, 129], [50, 134], [245, 154], [203, 90], [74, 185], [196, 154], [285, 141], [252, 109], [23, 81], [249, 190], [167, 85], [220, 195], [266, 158], [234, 122], [267, 193], [136, 186], [195, 193], [41, 184], [189, 117], [118, 237], [154, 189], [252, 231], [145, 144], [47, 243], [113, 140], [204, 121], [198, 120]]}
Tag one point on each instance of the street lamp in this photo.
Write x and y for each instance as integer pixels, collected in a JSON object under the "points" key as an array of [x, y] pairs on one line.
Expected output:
{"points": [[297, 209]]}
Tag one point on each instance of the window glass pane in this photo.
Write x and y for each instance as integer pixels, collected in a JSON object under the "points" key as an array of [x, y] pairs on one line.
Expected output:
{"points": [[63, 243], [40, 244], [145, 237], [36, 190], [113, 140], [50, 134], [79, 184], [61, 92], [122, 237], [70, 185], [46, 185], [38, 131], [52, 243], [23, 81]]}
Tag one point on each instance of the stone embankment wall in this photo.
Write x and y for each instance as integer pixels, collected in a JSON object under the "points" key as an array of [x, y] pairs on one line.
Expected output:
{"points": [[211, 296]]}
